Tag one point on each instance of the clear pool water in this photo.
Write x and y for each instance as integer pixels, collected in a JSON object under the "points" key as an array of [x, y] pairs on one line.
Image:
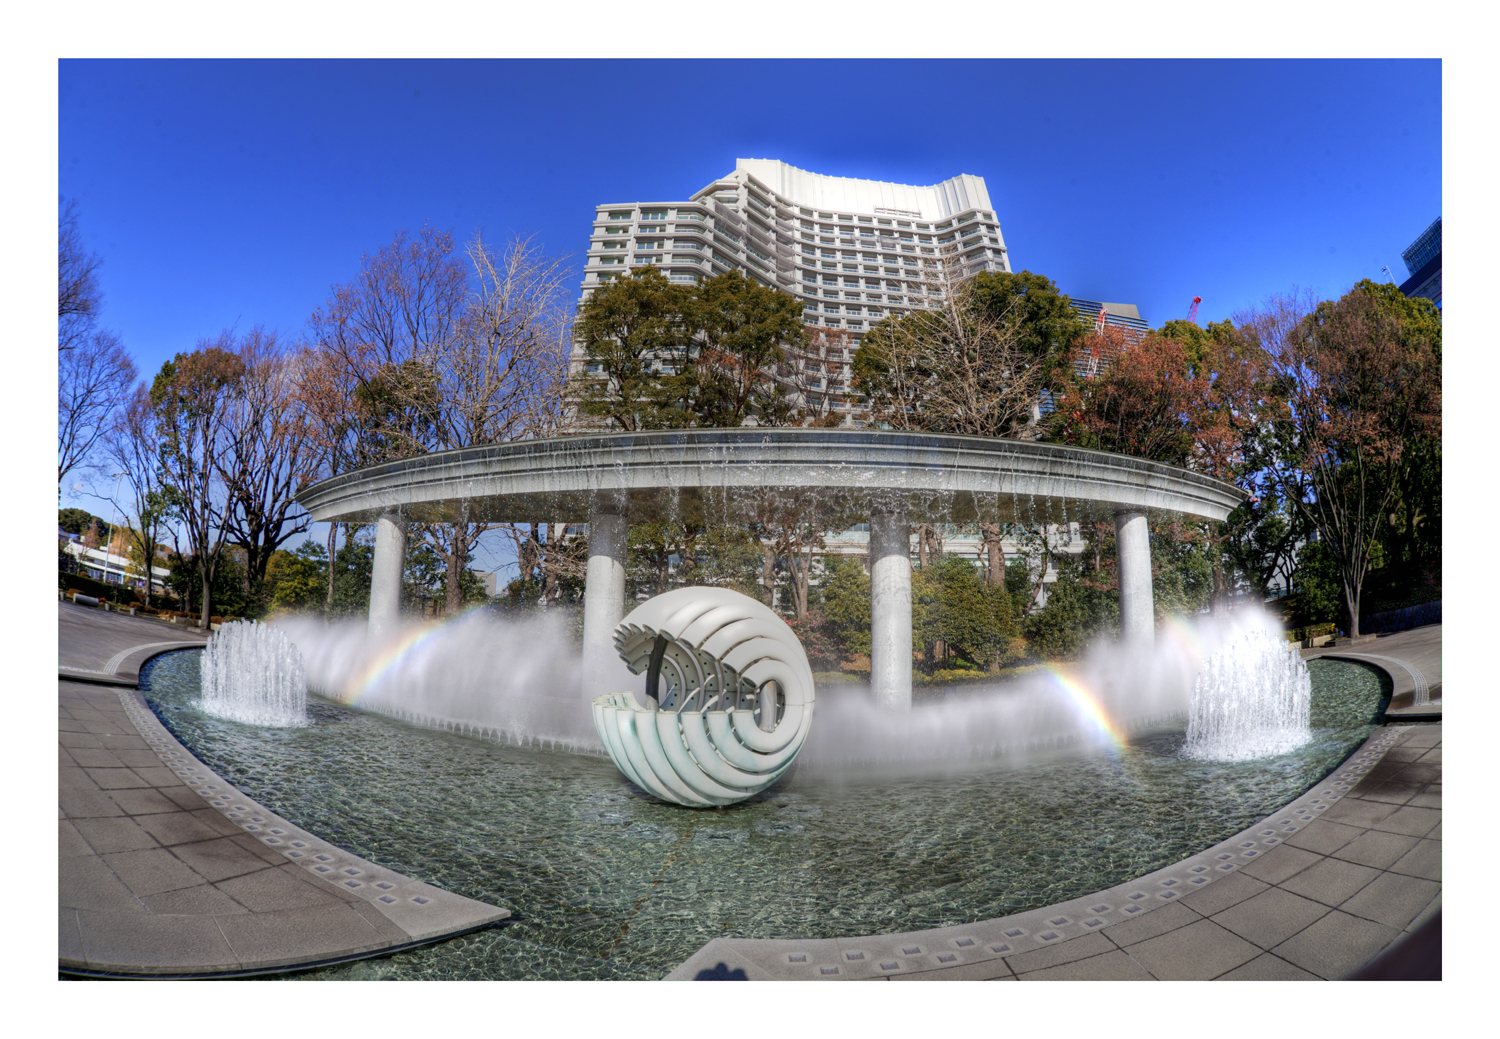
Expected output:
{"points": [[606, 882]]}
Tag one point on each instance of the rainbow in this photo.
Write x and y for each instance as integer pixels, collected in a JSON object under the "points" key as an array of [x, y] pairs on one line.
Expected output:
{"points": [[1088, 703], [367, 678]]}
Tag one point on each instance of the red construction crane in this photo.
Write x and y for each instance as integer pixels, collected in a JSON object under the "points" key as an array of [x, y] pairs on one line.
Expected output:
{"points": [[1193, 310]]}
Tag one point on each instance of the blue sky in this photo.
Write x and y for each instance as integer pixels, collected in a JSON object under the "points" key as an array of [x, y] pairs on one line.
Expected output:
{"points": [[234, 193]]}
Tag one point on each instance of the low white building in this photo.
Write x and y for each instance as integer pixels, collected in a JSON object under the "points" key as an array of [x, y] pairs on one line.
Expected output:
{"points": [[111, 568]]}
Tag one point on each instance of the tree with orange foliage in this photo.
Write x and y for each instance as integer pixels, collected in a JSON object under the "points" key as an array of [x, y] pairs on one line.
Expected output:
{"points": [[1150, 400]]}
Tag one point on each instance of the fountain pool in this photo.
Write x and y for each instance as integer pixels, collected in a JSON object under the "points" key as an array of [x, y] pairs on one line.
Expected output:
{"points": [[606, 882]]}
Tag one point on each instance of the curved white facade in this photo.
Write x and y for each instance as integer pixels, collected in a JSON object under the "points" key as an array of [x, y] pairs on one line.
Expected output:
{"points": [[852, 249]]}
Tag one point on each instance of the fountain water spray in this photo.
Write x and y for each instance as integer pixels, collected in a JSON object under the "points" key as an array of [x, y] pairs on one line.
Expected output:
{"points": [[252, 673], [515, 680], [1251, 700], [510, 679]]}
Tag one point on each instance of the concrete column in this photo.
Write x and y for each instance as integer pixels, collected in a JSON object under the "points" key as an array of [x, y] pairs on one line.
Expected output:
{"points": [[890, 608], [385, 573], [603, 599], [1137, 608]]}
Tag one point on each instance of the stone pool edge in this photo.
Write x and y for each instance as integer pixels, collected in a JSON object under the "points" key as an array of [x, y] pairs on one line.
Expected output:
{"points": [[1004, 947], [410, 913]]}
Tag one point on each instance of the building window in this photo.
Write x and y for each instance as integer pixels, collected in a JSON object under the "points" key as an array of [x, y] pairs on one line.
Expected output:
{"points": [[623, 215]]}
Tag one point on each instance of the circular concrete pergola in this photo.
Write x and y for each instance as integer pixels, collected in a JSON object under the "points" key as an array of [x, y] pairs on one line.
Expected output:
{"points": [[843, 476]]}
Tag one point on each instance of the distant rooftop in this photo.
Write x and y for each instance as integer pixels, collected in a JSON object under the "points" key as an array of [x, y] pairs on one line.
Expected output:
{"points": [[1428, 245]]}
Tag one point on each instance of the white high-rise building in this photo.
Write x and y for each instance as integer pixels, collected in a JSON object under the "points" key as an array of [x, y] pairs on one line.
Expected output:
{"points": [[850, 248], [854, 251]]}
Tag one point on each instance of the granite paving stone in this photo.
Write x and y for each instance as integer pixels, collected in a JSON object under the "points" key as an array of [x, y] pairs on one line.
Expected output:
{"points": [[1425, 860], [721, 952], [1336, 945], [1270, 917], [1158, 921], [79, 739], [117, 941], [302, 934], [1416, 822], [177, 827], [114, 833], [141, 759], [100, 758], [72, 777], [1376, 848], [1279, 863], [266, 891], [1356, 812], [205, 900], [984, 970], [218, 859], [1222, 893], [69, 841], [152, 871], [87, 802], [1112, 966], [88, 883], [1430, 797], [1267, 967], [115, 778], [1078, 948], [1392, 899], [215, 821], [1395, 792], [185, 798], [1196, 952], [1428, 912], [140, 803], [69, 940], [1330, 881], [272, 856]]}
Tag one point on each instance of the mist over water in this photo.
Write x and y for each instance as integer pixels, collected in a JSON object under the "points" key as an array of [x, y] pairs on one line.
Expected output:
{"points": [[515, 680], [519, 681]]}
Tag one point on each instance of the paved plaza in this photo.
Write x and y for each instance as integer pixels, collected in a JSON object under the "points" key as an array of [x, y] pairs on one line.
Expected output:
{"points": [[164, 869], [167, 870]]}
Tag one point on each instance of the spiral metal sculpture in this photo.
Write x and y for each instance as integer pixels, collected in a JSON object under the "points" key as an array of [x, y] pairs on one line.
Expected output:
{"points": [[729, 698]]}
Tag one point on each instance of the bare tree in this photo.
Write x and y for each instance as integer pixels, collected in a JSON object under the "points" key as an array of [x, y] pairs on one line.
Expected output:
{"points": [[501, 376], [192, 396], [439, 356], [385, 329], [269, 453], [94, 378], [791, 525], [132, 444], [334, 422], [814, 375], [79, 298], [954, 366]]}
